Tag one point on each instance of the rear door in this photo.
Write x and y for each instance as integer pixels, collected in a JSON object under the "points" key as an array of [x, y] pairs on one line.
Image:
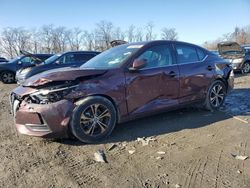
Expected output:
{"points": [[155, 86], [195, 72]]}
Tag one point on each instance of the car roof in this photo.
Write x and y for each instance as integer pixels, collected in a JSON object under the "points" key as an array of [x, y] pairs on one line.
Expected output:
{"points": [[43, 54], [149, 43], [80, 52]]}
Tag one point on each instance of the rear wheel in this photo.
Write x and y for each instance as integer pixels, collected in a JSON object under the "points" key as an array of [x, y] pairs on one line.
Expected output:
{"points": [[216, 95], [93, 120], [7, 77], [245, 68]]}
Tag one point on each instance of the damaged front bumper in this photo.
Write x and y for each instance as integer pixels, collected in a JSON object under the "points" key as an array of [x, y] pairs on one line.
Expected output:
{"points": [[50, 120]]}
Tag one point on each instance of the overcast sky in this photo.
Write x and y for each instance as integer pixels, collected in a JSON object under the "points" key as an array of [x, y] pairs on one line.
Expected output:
{"points": [[196, 21]]}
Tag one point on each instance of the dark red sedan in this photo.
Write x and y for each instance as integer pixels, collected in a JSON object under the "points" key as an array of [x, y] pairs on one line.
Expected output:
{"points": [[125, 82]]}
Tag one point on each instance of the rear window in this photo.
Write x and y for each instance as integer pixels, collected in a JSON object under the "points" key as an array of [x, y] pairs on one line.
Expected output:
{"points": [[201, 54], [186, 54]]}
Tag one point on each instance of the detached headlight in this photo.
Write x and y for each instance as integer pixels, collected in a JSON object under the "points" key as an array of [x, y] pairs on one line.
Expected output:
{"points": [[237, 60], [46, 96]]}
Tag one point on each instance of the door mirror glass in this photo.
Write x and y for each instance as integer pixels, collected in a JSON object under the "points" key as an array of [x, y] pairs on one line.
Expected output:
{"points": [[138, 64]]}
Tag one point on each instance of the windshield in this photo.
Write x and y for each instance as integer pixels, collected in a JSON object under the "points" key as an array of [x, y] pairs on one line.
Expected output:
{"points": [[52, 59], [112, 58]]}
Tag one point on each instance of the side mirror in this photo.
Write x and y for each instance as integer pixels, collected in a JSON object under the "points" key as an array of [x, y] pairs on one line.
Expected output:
{"points": [[57, 62], [138, 64], [19, 62]]}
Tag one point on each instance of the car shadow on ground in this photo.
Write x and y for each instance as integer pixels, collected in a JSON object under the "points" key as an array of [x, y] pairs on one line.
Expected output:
{"points": [[237, 103]]}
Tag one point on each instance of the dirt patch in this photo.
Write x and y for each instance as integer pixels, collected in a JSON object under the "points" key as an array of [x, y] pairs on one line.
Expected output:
{"points": [[188, 147]]}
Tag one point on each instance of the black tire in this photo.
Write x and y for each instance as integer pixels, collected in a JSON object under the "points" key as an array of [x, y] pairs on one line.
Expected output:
{"points": [[215, 96], [245, 68], [90, 116], [7, 77]]}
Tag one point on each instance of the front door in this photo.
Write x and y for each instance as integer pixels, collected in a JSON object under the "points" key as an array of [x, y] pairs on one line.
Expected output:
{"points": [[155, 86]]}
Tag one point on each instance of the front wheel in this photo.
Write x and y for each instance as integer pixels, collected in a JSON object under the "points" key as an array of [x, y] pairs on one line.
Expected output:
{"points": [[93, 120], [245, 68], [215, 96], [8, 77]]}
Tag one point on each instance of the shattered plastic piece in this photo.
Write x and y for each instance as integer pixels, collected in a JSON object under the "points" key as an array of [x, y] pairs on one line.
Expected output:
{"points": [[112, 147], [159, 158], [100, 156], [161, 152], [177, 185], [242, 120], [145, 141], [131, 151], [124, 144], [240, 157]]}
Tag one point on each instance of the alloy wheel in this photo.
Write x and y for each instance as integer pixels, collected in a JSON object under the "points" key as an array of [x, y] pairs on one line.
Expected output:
{"points": [[7, 77], [217, 95], [95, 119], [246, 68]]}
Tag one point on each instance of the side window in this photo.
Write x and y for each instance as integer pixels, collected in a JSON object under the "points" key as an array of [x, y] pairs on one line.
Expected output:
{"points": [[83, 57], [201, 54], [68, 58], [157, 56], [27, 60], [186, 54]]}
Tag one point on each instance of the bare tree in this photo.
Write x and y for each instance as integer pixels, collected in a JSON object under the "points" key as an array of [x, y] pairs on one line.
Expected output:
{"points": [[240, 35], [15, 39], [169, 34], [46, 38], [103, 33], [60, 39], [139, 35], [149, 31], [131, 33], [89, 40], [75, 38], [118, 34]]}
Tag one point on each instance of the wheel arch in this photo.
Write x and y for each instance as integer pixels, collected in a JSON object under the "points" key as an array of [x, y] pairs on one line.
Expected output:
{"points": [[223, 80]]}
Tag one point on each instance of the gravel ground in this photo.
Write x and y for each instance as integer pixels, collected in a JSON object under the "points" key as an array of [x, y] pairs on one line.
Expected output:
{"points": [[187, 148]]}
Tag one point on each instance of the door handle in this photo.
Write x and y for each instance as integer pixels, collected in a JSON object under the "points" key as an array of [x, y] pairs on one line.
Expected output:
{"points": [[209, 68], [172, 74]]}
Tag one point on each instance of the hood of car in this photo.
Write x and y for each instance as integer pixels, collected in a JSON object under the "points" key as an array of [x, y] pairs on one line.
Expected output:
{"points": [[62, 74], [230, 48]]}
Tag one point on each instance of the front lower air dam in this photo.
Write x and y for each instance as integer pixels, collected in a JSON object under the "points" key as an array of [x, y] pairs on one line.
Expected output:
{"points": [[50, 120]]}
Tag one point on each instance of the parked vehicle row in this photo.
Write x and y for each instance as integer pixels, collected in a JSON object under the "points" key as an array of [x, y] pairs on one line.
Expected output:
{"points": [[22, 67], [67, 59], [128, 81], [8, 69]]}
